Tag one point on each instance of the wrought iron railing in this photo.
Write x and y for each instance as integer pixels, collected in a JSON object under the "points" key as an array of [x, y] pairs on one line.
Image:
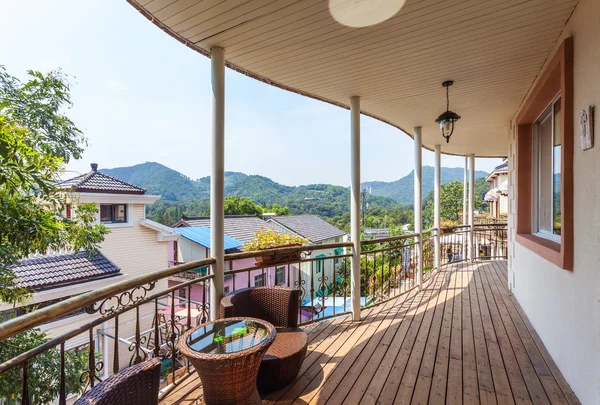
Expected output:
{"points": [[454, 244], [320, 272], [388, 268], [143, 317], [144, 308], [490, 241]]}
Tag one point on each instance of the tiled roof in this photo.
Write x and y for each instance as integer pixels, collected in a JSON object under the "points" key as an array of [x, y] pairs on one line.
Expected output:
{"points": [[96, 182], [240, 227], [59, 270], [201, 236], [309, 226], [503, 166]]}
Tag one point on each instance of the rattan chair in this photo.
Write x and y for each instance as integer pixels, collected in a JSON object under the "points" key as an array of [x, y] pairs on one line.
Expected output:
{"points": [[136, 385], [279, 306]]}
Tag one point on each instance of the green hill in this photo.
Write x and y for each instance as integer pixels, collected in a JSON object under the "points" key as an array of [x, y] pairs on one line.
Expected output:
{"points": [[191, 196], [403, 191]]}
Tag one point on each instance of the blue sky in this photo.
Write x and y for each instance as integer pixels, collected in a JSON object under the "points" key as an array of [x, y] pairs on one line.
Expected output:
{"points": [[139, 95]]}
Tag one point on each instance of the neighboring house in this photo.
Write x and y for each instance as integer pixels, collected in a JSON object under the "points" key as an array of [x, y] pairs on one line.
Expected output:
{"points": [[319, 232], [498, 194], [376, 233], [134, 247], [194, 244]]}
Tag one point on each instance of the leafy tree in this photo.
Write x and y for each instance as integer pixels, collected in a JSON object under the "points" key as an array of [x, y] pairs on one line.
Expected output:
{"points": [[241, 206], [451, 203], [277, 210], [36, 139]]}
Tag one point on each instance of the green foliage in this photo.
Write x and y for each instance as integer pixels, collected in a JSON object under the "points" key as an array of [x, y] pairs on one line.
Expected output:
{"points": [[43, 371], [481, 188], [181, 195], [268, 238], [241, 206], [451, 201], [36, 139], [37, 105]]}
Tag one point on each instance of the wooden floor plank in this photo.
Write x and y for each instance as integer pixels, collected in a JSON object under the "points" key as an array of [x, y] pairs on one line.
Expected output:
{"points": [[562, 382], [454, 391], [351, 349], [532, 381], [394, 378], [469, 361], [324, 364], [355, 370], [517, 383], [411, 372], [462, 339], [384, 368], [550, 386], [502, 388], [439, 380], [428, 361]]}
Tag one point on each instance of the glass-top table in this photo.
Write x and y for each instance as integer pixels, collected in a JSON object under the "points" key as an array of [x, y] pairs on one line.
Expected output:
{"points": [[226, 354], [227, 336]]}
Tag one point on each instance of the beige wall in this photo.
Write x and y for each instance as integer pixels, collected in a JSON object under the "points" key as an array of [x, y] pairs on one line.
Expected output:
{"points": [[137, 251], [563, 306]]}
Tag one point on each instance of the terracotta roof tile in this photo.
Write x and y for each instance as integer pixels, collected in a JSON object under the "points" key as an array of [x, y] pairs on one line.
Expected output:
{"points": [[312, 227], [59, 270], [96, 182]]}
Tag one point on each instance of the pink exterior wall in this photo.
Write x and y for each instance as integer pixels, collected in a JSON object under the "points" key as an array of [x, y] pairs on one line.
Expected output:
{"points": [[241, 279]]}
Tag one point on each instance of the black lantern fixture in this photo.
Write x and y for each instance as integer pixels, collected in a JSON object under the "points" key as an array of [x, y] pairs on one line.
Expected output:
{"points": [[447, 118]]}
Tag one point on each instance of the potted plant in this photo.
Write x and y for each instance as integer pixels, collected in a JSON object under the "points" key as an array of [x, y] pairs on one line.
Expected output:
{"points": [[447, 226], [267, 239]]}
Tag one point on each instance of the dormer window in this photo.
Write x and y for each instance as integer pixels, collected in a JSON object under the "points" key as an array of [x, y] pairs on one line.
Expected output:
{"points": [[113, 213]]}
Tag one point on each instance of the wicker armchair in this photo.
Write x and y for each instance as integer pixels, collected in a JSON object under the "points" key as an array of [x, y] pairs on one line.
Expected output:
{"points": [[136, 385], [279, 306]]}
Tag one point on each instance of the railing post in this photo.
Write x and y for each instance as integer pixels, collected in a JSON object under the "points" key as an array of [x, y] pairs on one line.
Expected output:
{"points": [[465, 239], [417, 205], [217, 176], [355, 205], [436, 204], [471, 205]]}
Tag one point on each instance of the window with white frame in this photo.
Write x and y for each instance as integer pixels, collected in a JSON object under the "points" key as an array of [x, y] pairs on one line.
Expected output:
{"points": [[259, 280], [546, 180], [280, 275], [113, 213]]}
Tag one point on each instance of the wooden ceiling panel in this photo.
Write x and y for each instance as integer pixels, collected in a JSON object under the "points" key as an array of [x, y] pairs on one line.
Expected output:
{"points": [[492, 49]]}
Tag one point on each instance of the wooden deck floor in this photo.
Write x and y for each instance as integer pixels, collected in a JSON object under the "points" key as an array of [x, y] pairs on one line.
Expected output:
{"points": [[461, 340]]}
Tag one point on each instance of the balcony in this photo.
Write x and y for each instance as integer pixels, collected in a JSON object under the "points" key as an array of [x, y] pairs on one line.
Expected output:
{"points": [[461, 339], [445, 332]]}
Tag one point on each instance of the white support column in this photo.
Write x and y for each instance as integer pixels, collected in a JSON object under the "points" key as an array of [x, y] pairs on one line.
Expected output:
{"points": [[436, 203], [471, 204], [217, 178], [418, 204], [464, 219], [355, 205], [465, 250]]}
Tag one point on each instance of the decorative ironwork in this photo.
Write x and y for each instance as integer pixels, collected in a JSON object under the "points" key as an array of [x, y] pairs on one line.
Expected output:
{"points": [[301, 285], [119, 303]]}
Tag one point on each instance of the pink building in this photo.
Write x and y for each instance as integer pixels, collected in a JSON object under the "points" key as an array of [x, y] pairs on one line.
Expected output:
{"points": [[194, 244]]}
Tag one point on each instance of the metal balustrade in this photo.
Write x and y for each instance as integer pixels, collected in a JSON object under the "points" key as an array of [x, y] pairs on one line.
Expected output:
{"points": [[143, 317]]}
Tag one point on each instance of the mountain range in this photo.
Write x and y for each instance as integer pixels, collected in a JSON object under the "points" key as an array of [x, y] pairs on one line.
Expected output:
{"points": [[175, 186]]}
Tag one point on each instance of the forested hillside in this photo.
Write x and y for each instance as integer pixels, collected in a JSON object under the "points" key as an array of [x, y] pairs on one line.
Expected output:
{"points": [[181, 195], [403, 191]]}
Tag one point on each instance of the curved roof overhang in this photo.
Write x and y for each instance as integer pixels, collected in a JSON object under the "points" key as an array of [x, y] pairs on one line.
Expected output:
{"points": [[492, 49]]}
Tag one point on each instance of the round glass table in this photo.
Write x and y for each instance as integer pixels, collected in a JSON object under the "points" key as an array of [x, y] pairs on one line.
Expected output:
{"points": [[226, 355]]}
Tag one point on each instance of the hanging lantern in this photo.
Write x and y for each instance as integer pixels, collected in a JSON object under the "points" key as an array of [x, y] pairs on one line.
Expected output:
{"points": [[447, 118]]}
